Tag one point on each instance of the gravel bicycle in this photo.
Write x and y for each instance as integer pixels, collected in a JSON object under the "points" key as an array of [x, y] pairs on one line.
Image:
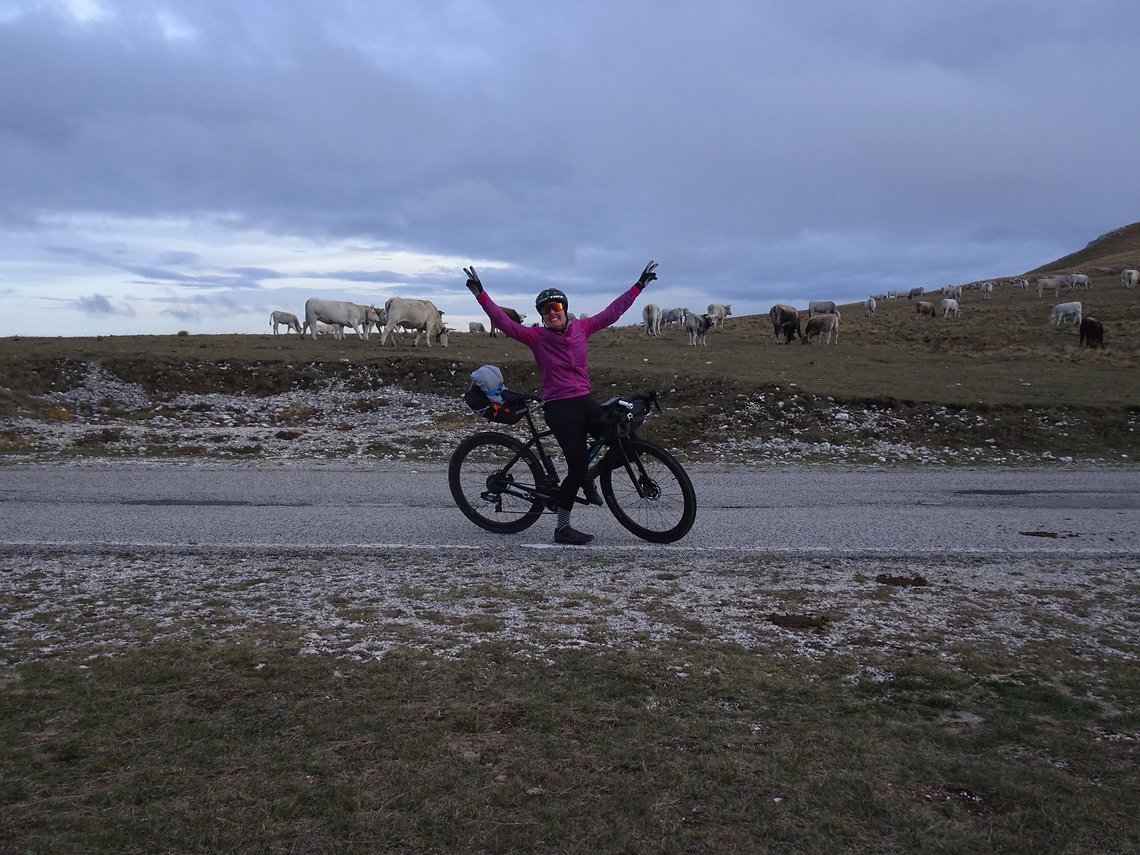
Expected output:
{"points": [[503, 484]]}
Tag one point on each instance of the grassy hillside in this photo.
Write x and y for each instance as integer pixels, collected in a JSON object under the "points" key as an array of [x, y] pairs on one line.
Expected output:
{"points": [[1110, 253], [1001, 360]]}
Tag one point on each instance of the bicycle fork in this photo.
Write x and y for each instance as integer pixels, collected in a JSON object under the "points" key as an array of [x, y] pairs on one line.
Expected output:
{"points": [[646, 487]]}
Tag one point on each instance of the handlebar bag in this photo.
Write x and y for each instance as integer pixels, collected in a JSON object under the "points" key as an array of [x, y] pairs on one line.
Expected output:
{"points": [[488, 397]]}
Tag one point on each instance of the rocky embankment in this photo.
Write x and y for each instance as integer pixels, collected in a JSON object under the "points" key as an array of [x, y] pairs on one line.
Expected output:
{"points": [[102, 416]]}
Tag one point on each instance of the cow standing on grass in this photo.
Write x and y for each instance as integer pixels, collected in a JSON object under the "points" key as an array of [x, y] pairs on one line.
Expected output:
{"points": [[822, 307], [510, 313], [339, 312], [419, 315], [1092, 333], [785, 322], [1066, 312], [822, 325], [718, 312], [651, 319], [290, 321], [1050, 283], [697, 326]]}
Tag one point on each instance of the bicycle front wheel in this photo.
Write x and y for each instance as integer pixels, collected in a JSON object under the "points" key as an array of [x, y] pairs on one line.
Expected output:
{"points": [[493, 478], [649, 492]]}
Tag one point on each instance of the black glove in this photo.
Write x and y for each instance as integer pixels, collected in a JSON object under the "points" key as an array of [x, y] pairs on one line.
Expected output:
{"points": [[647, 275], [473, 283]]}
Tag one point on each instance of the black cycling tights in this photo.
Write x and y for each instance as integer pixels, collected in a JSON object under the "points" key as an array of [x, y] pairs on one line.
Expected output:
{"points": [[567, 418]]}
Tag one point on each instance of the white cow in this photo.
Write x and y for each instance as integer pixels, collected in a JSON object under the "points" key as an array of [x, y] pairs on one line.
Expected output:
{"points": [[419, 315], [476, 327], [718, 312], [1023, 284], [291, 322], [340, 312], [869, 306], [1050, 283], [987, 290], [1079, 280], [697, 326], [818, 325], [1066, 311], [673, 316], [1130, 278], [954, 292], [376, 318], [822, 307], [950, 308], [651, 319]]}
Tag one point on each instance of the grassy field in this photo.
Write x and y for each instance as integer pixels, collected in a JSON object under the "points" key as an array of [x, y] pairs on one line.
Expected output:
{"points": [[165, 705]]}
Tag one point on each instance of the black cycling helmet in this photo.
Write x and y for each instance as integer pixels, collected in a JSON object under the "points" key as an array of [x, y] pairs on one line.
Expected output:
{"points": [[550, 295]]}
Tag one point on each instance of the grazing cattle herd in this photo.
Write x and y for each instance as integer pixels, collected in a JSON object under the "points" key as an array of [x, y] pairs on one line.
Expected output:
{"points": [[819, 322]]}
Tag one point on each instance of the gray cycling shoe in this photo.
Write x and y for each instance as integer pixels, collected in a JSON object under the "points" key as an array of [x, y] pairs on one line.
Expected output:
{"points": [[570, 535], [591, 493]]}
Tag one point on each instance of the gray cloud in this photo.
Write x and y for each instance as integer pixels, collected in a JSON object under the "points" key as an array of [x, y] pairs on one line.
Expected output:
{"points": [[759, 150], [98, 304]]}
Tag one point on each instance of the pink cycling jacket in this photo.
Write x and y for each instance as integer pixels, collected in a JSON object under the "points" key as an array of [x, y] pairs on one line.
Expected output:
{"points": [[560, 356]]}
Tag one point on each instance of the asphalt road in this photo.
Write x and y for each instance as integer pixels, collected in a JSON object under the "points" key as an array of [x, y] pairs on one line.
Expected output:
{"points": [[311, 506]]}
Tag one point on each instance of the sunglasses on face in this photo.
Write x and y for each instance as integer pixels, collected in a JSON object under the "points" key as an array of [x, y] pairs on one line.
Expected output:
{"points": [[550, 308]]}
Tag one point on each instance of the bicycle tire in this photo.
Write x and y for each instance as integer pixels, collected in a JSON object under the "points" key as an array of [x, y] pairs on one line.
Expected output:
{"points": [[668, 508], [484, 462]]}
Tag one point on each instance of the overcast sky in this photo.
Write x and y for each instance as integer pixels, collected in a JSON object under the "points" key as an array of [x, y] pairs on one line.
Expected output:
{"points": [[196, 164]]}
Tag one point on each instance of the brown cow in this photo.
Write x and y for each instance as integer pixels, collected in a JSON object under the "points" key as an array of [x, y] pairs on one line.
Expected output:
{"points": [[510, 313], [1092, 333], [924, 307], [785, 322], [820, 325]]}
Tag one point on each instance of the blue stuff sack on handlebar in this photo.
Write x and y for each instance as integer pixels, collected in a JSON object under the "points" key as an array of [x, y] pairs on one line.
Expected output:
{"points": [[491, 399]]}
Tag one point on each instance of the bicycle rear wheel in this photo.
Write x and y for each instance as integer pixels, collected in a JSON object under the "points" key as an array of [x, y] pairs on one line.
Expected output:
{"points": [[484, 472], [649, 492]]}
